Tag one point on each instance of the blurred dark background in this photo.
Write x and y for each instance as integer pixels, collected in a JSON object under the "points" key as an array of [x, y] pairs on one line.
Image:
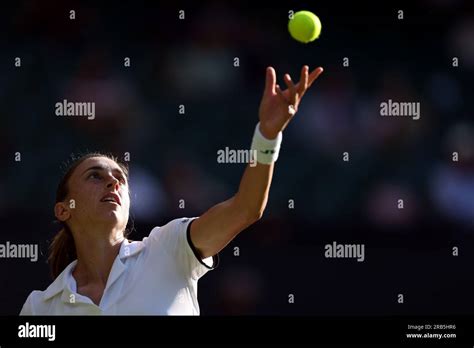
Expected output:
{"points": [[173, 156]]}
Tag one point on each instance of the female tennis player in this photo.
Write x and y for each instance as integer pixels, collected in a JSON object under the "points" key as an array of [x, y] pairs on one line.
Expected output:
{"points": [[97, 270]]}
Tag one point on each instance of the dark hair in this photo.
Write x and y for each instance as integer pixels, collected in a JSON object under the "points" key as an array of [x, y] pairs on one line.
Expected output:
{"points": [[62, 250]]}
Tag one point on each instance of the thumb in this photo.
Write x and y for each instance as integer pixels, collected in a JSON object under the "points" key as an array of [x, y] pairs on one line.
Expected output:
{"points": [[270, 81]]}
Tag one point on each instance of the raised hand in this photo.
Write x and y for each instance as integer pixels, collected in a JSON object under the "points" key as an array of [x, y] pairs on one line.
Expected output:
{"points": [[278, 107]]}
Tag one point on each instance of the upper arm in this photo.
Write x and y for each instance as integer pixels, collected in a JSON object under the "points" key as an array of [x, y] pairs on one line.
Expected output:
{"points": [[213, 230]]}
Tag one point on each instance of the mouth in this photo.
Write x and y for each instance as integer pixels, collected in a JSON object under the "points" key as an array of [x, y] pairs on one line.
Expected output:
{"points": [[111, 198]]}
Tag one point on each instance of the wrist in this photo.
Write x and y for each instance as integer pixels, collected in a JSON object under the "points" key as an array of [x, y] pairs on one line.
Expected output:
{"points": [[267, 133], [266, 149]]}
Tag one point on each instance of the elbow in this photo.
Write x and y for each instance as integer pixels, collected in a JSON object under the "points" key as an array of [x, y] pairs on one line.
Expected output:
{"points": [[259, 215], [254, 216], [249, 213]]}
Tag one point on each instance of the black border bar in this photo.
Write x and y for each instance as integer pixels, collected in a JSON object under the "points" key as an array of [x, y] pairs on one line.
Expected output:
{"points": [[242, 329]]}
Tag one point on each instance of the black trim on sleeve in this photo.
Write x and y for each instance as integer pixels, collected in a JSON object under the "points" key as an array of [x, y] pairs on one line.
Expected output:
{"points": [[215, 258]]}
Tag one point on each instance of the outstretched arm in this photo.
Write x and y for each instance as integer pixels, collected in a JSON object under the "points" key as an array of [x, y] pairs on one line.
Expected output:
{"points": [[212, 231]]}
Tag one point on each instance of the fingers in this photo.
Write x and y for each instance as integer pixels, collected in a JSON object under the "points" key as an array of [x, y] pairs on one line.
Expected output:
{"points": [[291, 87], [314, 75], [303, 84], [291, 106], [270, 81], [280, 94]]}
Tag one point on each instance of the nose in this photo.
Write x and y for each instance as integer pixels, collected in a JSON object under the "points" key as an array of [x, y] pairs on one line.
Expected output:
{"points": [[113, 182]]}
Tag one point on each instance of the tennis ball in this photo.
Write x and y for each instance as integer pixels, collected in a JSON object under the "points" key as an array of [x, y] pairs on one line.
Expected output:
{"points": [[305, 26]]}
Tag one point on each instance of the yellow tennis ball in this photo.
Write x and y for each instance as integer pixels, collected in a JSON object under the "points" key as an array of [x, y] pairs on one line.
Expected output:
{"points": [[305, 26]]}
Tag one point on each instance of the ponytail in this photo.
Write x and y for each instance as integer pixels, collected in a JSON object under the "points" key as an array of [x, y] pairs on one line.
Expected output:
{"points": [[62, 251]]}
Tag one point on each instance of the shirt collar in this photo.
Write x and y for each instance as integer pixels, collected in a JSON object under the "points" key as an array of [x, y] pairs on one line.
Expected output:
{"points": [[62, 282]]}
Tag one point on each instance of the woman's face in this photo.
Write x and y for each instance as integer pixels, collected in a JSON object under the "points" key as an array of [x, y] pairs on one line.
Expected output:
{"points": [[98, 195]]}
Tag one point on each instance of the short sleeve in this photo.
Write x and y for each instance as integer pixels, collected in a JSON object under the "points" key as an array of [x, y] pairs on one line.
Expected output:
{"points": [[174, 237]]}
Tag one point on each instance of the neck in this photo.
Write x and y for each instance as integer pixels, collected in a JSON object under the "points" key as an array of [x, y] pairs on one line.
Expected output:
{"points": [[96, 253]]}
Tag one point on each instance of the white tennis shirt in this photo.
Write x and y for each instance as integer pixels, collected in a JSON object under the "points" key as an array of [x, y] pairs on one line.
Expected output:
{"points": [[156, 276]]}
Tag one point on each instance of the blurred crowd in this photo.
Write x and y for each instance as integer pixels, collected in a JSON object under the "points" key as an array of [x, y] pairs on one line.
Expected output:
{"points": [[173, 156]]}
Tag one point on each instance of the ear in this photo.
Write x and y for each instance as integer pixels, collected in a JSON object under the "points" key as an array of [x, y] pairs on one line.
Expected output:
{"points": [[62, 212]]}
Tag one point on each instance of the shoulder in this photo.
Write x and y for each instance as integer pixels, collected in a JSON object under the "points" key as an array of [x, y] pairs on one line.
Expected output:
{"points": [[38, 302], [32, 302], [176, 224], [173, 230], [174, 239]]}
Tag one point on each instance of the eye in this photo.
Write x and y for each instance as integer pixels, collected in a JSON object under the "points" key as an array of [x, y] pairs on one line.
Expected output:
{"points": [[122, 180], [94, 175]]}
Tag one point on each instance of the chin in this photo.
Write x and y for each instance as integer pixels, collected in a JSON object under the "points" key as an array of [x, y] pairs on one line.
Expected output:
{"points": [[114, 217]]}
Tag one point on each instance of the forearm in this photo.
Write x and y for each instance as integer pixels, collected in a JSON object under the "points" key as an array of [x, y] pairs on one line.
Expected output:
{"points": [[254, 189], [220, 224]]}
